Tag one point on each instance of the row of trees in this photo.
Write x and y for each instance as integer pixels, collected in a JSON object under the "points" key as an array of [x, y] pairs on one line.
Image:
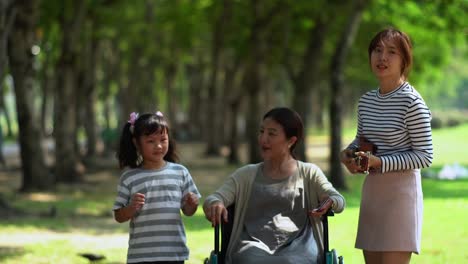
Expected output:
{"points": [[80, 66]]}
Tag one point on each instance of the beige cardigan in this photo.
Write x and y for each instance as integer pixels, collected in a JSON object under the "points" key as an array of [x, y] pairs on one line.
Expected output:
{"points": [[237, 188]]}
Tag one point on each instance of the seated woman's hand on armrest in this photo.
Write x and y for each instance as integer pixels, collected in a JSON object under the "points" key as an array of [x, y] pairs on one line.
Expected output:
{"points": [[215, 211], [322, 208]]}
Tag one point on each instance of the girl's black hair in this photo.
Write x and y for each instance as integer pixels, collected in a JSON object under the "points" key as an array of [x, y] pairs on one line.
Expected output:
{"points": [[291, 122], [145, 124]]}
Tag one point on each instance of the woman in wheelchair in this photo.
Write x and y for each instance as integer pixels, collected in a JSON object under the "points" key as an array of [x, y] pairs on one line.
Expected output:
{"points": [[278, 202]]}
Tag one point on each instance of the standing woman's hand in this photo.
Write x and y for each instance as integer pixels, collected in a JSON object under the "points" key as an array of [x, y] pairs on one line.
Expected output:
{"points": [[215, 211], [347, 158], [374, 162]]}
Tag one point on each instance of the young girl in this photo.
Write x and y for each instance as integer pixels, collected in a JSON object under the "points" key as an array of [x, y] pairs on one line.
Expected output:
{"points": [[152, 191], [396, 120]]}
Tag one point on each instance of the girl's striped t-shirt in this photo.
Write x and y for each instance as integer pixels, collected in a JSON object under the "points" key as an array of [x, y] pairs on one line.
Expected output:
{"points": [[156, 232]]}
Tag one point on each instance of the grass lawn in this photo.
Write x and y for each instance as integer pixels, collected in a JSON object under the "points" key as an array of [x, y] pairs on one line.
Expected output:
{"points": [[84, 224], [445, 234], [77, 229]]}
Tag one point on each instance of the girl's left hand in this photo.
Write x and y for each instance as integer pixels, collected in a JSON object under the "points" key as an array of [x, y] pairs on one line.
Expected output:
{"points": [[322, 209], [190, 199]]}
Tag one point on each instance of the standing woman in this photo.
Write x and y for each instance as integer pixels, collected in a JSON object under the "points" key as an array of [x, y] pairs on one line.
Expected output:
{"points": [[396, 120]]}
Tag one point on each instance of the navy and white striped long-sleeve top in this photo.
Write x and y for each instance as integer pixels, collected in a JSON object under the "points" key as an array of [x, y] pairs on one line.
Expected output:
{"points": [[398, 123]]}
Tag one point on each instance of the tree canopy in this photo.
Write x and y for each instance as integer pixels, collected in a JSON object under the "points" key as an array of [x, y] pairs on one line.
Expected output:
{"points": [[213, 66]]}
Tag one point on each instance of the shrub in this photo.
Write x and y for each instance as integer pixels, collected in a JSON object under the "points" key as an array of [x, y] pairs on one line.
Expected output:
{"points": [[436, 122], [448, 118], [453, 122]]}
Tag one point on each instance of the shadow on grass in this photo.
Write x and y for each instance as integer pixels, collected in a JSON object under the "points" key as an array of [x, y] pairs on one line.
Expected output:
{"points": [[11, 252], [74, 223], [93, 225]]}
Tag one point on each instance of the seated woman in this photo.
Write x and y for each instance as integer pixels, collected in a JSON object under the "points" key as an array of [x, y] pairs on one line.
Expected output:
{"points": [[276, 217]]}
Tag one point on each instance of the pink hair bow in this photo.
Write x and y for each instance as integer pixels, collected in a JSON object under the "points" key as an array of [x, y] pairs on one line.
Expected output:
{"points": [[133, 118], [131, 121], [158, 113]]}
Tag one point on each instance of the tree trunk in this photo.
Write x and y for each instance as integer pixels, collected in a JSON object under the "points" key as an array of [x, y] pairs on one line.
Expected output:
{"points": [[337, 65], [305, 81], [259, 27], [90, 122], [232, 113], [47, 79], [170, 76], [252, 82], [254, 116], [47, 93], [196, 84], [110, 64], [7, 18], [20, 43], [66, 157], [213, 135], [234, 141], [106, 91], [65, 124], [318, 107], [126, 97]]}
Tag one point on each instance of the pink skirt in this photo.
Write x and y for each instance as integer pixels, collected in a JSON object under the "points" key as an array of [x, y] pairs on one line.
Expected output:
{"points": [[391, 212]]}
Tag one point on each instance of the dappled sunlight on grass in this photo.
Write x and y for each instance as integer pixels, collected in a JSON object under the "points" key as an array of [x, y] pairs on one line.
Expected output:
{"points": [[10, 251], [42, 197], [52, 247]]}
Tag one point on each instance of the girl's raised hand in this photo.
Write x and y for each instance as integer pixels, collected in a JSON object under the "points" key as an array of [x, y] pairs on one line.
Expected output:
{"points": [[137, 201], [190, 199], [189, 204]]}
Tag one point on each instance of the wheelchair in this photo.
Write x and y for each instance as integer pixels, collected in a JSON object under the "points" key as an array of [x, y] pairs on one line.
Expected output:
{"points": [[223, 232]]}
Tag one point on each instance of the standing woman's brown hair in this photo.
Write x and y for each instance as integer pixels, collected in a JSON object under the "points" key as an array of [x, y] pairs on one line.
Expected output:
{"points": [[403, 44]]}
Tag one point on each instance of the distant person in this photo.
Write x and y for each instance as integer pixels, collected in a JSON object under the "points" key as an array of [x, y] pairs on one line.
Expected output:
{"points": [[395, 119], [152, 191], [277, 201], [2, 156]]}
